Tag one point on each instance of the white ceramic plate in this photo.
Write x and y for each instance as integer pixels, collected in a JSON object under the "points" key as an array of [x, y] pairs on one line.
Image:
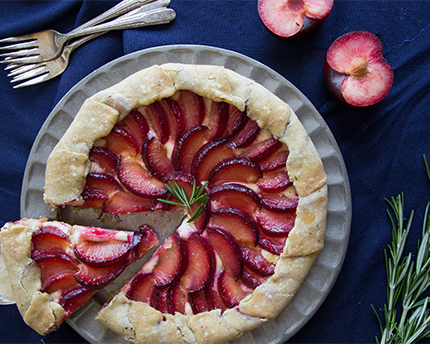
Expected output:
{"points": [[326, 269]]}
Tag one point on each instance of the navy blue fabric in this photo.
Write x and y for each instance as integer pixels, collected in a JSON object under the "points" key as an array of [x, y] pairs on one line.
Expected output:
{"points": [[382, 145]]}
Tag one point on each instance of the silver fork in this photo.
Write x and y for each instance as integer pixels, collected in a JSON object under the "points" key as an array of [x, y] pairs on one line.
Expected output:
{"points": [[48, 44], [40, 72]]}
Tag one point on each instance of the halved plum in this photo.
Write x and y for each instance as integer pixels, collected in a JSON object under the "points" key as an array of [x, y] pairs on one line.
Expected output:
{"points": [[227, 248], [187, 146], [209, 155], [236, 169], [201, 263], [239, 223], [233, 195], [154, 155], [172, 261], [137, 179]]}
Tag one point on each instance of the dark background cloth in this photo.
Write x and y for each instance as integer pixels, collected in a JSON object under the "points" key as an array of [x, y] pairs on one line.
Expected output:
{"points": [[382, 145]]}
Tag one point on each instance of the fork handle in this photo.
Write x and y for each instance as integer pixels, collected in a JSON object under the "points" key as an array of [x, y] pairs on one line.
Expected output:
{"points": [[121, 8], [153, 17]]}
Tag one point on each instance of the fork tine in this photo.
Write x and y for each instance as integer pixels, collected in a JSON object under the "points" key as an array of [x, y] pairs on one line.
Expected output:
{"points": [[37, 80], [21, 53], [30, 74], [17, 39], [21, 61], [19, 46], [22, 69]]}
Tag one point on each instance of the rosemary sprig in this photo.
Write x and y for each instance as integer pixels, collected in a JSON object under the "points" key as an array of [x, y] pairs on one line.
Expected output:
{"points": [[197, 196], [407, 280]]}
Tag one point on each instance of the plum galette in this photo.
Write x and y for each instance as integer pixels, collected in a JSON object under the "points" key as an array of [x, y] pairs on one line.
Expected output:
{"points": [[239, 164]]}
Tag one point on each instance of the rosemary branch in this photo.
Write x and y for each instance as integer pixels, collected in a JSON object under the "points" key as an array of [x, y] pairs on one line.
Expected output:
{"points": [[197, 196], [407, 279]]}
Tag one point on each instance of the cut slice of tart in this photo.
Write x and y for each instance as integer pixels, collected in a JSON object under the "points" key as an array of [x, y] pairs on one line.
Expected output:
{"points": [[261, 227], [55, 268]]}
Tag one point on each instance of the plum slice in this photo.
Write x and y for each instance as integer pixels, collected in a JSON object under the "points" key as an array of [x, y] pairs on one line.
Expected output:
{"points": [[201, 263], [247, 134], [271, 243], [213, 297], [262, 150], [253, 258], [104, 159], [62, 281], [275, 223], [209, 155], [239, 223], [187, 146], [74, 299], [137, 125], [199, 302], [233, 195], [252, 278], [280, 202], [178, 297], [277, 160], [143, 240], [122, 142], [51, 263], [97, 252], [172, 120], [154, 155], [49, 238], [276, 181], [231, 291], [140, 288], [227, 248], [172, 261], [235, 121], [189, 109], [128, 203], [236, 169], [293, 19], [137, 179], [355, 70], [98, 277], [216, 118]]}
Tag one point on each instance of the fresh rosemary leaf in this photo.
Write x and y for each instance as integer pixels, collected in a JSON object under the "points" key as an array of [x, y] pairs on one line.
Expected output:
{"points": [[408, 280], [197, 196]]}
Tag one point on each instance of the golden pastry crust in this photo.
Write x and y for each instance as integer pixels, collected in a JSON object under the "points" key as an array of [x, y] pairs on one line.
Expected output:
{"points": [[140, 323]]}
